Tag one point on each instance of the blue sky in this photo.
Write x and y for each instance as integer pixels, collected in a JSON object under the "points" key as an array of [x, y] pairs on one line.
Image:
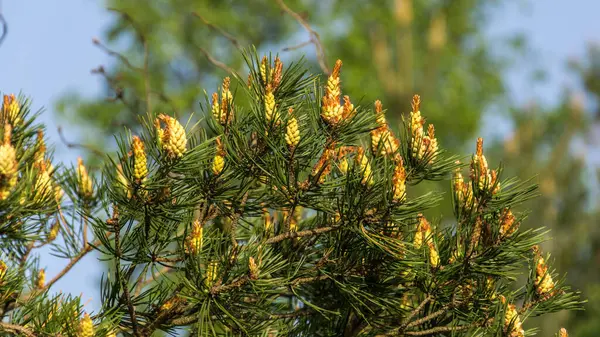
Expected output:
{"points": [[48, 51]]}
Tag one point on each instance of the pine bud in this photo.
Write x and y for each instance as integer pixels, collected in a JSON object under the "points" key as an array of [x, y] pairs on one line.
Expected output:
{"points": [[253, 268], [140, 165], [544, 284], [174, 139], [41, 279], [219, 159], [365, 167], [211, 273], [508, 225], [563, 333], [263, 70], [434, 257], [40, 152], [86, 188], [3, 269], [11, 110], [292, 134], [53, 232], [457, 187], [86, 326], [268, 221], [399, 181], [193, 243], [423, 233], [332, 112], [8, 164], [271, 113], [422, 145], [512, 321], [222, 110], [42, 186]]}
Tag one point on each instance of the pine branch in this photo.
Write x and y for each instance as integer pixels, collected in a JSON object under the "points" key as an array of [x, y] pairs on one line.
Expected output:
{"points": [[440, 329], [299, 234], [16, 329], [415, 312]]}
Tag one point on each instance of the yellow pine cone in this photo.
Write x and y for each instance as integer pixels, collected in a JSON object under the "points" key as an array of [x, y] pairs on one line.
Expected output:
{"points": [[508, 225], [174, 138], [42, 186], [512, 321], [8, 164], [10, 110], [263, 70], [423, 233], [40, 152], [3, 269], [271, 113], [544, 284], [222, 110], [267, 220], [399, 181], [53, 232], [160, 133], [332, 111], [434, 257], [86, 188], [86, 326], [194, 241], [41, 279], [365, 167], [140, 164], [253, 268], [563, 333], [219, 160], [292, 134]]}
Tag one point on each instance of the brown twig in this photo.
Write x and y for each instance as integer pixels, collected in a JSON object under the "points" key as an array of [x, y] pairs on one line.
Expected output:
{"points": [[71, 145], [415, 312], [16, 329], [439, 329], [71, 264], [314, 36], [118, 55], [308, 232], [4, 26], [216, 62], [298, 46], [212, 26], [427, 318]]}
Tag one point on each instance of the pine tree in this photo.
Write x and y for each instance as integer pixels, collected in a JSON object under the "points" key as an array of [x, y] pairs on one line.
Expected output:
{"points": [[293, 215]]}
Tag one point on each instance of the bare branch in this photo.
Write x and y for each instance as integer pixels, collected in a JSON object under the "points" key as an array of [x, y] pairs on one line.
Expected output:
{"points": [[16, 329], [216, 62], [4, 26], [308, 232], [212, 26], [314, 36], [71, 145]]}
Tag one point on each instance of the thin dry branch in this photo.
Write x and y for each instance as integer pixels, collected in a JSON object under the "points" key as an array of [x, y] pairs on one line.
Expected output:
{"points": [[314, 36], [4, 26], [220, 30], [216, 62], [308, 232], [14, 328], [71, 145]]}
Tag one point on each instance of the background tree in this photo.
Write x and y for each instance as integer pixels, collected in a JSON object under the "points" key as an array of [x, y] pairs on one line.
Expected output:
{"points": [[395, 48]]}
